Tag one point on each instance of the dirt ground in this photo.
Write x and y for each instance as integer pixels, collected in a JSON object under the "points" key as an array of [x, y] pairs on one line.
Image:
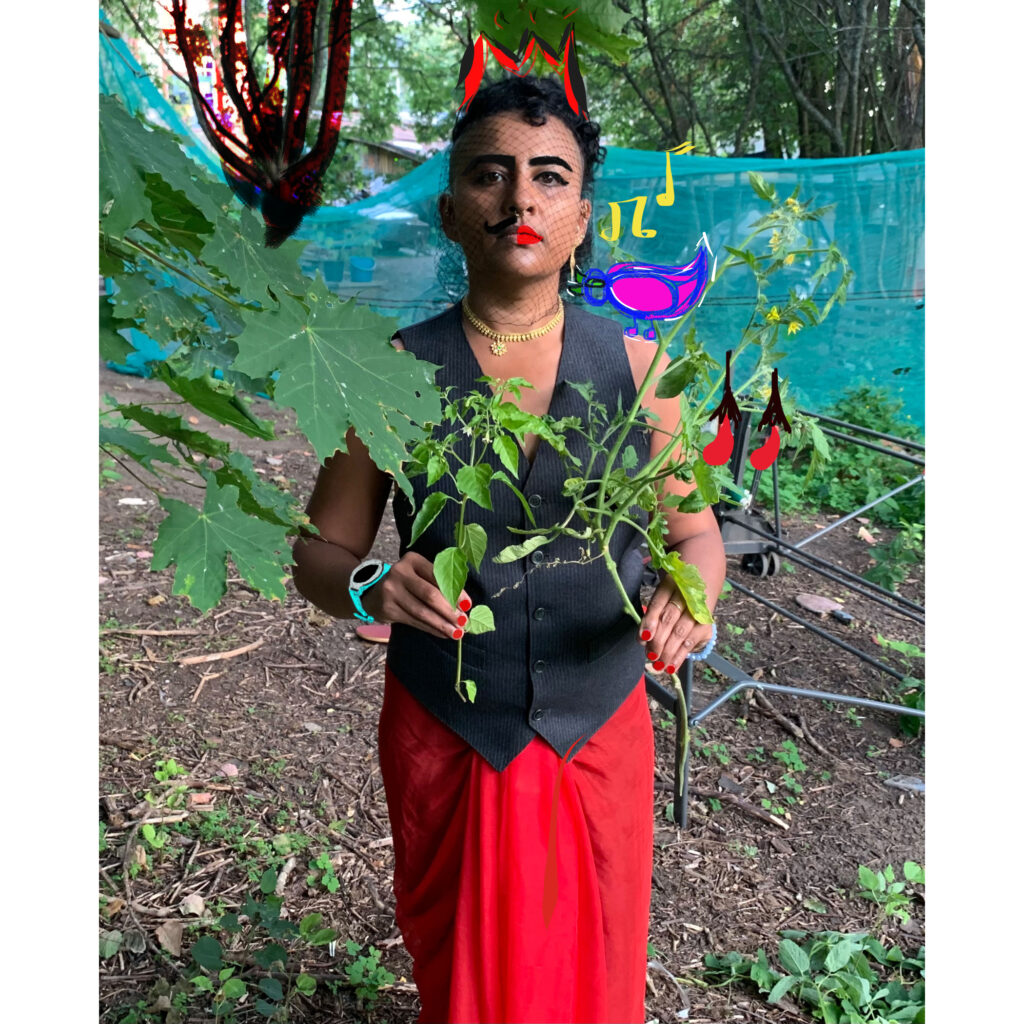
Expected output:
{"points": [[280, 741]]}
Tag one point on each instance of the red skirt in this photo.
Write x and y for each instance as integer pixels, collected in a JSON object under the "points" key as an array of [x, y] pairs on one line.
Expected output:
{"points": [[472, 851]]}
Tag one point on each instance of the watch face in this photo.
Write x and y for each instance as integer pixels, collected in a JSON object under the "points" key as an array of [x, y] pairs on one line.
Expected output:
{"points": [[366, 574]]}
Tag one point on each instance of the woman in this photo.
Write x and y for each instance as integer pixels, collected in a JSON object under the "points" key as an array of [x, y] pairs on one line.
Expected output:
{"points": [[523, 822]]}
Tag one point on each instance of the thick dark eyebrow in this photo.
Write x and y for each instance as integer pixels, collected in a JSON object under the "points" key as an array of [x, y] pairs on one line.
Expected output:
{"points": [[509, 162]]}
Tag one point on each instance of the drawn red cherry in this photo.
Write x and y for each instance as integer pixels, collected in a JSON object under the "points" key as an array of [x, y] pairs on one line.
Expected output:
{"points": [[718, 451], [764, 456]]}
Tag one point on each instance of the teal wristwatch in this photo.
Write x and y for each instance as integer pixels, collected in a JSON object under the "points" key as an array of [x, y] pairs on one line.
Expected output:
{"points": [[364, 575]]}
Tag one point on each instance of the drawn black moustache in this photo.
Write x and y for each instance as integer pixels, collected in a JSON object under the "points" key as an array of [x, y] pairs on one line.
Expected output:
{"points": [[502, 225]]}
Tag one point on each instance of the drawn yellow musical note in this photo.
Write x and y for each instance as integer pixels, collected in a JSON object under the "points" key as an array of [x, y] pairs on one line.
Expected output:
{"points": [[668, 197]]}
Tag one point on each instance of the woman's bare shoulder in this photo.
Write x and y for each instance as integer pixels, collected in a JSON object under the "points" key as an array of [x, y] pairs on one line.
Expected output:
{"points": [[640, 352], [396, 340]]}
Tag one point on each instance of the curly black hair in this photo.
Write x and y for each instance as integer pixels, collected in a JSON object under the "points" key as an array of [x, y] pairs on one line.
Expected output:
{"points": [[537, 99]]}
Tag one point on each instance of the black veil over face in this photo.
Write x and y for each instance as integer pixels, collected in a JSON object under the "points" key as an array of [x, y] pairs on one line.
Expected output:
{"points": [[535, 100]]}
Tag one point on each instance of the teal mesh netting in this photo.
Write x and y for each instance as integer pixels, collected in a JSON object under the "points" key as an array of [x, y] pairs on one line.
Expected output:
{"points": [[382, 249]]}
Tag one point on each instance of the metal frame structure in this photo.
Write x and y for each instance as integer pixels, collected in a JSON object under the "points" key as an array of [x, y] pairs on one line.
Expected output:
{"points": [[746, 532]]}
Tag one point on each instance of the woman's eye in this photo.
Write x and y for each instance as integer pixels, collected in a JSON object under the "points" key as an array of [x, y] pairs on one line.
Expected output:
{"points": [[551, 177], [487, 177]]}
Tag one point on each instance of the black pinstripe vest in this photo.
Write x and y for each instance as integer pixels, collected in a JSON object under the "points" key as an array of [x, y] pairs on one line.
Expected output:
{"points": [[564, 654]]}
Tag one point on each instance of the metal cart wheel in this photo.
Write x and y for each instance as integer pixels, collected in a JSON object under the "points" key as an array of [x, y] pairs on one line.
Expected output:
{"points": [[762, 564]]}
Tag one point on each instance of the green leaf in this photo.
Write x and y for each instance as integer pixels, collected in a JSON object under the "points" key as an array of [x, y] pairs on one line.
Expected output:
{"points": [[706, 484], [114, 347], [139, 447], [429, 511], [629, 457], [206, 952], [309, 924], [255, 496], [514, 552], [870, 880], [110, 943], [199, 542], [268, 881], [839, 956], [178, 219], [216, 400], [781, 987], [472, 542], [266, 1009], [436, 468], [272, 953], [470, 690], [793, 958], [237, 250], [233, 988], [760, 186], [123, 201], [481, 619], [500, 475], [474, 481], [336, 367], [172, 426], [271, 988], [508, 452], [305, 984], [913, 872], [450, 571], [690, 584]]}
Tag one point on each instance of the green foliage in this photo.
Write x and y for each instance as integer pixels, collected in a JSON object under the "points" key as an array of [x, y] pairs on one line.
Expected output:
{"points": [[840, 978], [882, 888], [910, 689], [191, 270], [366, 973], [322, 871]]}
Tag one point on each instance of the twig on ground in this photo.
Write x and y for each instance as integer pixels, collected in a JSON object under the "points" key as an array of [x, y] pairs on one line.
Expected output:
{"points": [[744, 805], [813, 741], [154, 632], [202, 659], [282, 878], [202, 682], [765, 705]]}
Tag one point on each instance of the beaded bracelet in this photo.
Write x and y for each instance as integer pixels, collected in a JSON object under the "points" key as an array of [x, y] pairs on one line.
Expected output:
{"points": [[708, 647]]}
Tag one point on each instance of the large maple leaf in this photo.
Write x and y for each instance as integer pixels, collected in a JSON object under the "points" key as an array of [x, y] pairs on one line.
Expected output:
{"points": [[199, 543], [337, 370]]}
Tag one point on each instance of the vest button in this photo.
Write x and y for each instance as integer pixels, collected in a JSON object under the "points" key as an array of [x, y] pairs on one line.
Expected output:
{"points": [[535, 500], [538, 613], [538, 665], [537, 714], [537, 557]]}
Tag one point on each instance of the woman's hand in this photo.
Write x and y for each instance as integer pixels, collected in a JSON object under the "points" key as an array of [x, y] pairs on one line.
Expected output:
{"points": [[670, 631], [409, 594]]}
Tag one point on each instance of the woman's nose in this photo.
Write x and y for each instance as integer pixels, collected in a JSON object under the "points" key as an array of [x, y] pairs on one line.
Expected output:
{"points": [[521, 197]]}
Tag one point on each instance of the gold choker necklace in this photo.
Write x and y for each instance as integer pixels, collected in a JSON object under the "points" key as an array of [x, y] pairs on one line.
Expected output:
{"points": [[498, 346]]}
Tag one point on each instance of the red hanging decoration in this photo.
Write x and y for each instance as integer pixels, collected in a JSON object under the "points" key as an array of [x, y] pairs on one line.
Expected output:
{"points": [[261, 133]]}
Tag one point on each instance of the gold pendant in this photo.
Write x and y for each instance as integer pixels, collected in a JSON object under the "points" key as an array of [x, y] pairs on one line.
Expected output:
{"points": [[498, 348]]}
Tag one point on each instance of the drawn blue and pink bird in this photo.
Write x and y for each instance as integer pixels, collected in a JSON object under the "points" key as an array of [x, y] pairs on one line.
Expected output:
{"points": [[648, 291]]}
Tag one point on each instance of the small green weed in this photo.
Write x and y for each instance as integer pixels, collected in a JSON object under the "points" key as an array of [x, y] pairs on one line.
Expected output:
{"points": [[322, 871], [789, 755], [366, 973], [882, 888]]}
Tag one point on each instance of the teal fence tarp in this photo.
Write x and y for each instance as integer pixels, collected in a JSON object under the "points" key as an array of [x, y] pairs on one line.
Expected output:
{"points": [[877, 221]]}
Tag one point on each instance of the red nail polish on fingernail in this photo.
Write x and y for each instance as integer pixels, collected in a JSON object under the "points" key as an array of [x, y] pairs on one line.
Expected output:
{"points": [[659, 665], [465, 604], [646, 635], [462, 620], [670, 669], [651, 655], [457, 634]]}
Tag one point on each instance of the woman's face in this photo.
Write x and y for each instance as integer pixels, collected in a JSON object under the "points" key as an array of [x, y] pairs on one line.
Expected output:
{"points": [[515, 206]]}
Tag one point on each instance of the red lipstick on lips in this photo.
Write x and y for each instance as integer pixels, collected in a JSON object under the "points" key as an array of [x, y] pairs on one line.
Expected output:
{"points": [[527, 236]]}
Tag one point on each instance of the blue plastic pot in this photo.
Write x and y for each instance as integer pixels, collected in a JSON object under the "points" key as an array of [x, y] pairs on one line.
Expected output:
{"points": [[361, 268]]}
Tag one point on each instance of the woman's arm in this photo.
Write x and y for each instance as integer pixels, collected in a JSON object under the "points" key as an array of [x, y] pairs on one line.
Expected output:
{"points": [[668, 631], [347, 506]]}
